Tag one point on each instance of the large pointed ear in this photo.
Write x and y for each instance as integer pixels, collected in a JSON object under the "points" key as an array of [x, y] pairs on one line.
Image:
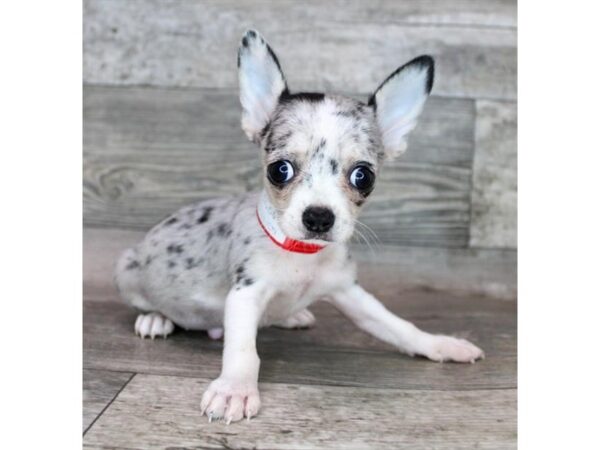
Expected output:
{"points": [[261, 83], [399, 100]]}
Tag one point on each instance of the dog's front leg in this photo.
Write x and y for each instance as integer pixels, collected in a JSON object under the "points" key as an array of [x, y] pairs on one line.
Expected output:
{"points": [[235, 393], [371, 316]]}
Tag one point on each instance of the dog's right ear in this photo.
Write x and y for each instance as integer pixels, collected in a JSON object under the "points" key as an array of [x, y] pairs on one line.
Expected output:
{"points": [[261, 83], [399, 100]]}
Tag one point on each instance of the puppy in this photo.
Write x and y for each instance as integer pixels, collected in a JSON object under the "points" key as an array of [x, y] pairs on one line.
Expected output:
{"points": [[241, 263]]}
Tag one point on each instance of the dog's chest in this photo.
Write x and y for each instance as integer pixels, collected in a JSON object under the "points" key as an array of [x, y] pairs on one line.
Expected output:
{"points": [[294, 294], [299, 280], [302, 282]]}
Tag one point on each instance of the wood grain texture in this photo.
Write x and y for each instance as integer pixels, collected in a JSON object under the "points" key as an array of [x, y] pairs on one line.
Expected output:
{"points": [[438, 312], [99, 388], [150, 151], [163, 412], [341, 45], [494, 198], [473, 272], [300, 356]]}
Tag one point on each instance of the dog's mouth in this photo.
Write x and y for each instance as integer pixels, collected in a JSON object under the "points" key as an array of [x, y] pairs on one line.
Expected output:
{"points": [[318, 238]]}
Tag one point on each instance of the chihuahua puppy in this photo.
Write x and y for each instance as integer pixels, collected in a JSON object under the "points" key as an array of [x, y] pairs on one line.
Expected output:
{"points": [[238, 264]]}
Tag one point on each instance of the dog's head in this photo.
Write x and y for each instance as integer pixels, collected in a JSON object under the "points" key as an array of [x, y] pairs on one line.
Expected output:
{"points": [[322, 153]]}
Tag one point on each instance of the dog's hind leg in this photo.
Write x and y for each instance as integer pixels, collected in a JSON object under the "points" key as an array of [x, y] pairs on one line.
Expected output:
{"points": [[127, 279], [302, 319]]}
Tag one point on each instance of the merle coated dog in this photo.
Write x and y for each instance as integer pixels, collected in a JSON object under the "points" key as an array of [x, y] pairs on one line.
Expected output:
{"points": [[241, 263]]}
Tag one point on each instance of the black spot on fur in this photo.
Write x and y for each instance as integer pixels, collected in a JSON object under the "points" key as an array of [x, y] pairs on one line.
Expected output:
{"points": [[149, 260], [265, 130], [205, 214], [317, 151], [171, 264], [173, 248], [275, 142], [246, 241], [243, 281], [353, 113], [191, 263], [224, 230], [269, 145], [241, 277], [282, 140], [308, 179], [359, 202], [312, 97], [132, 265], [334, 166], [171, 221]]}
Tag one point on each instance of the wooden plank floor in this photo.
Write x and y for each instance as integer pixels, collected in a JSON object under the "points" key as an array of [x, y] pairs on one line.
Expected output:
{"points": [[161, 118], [329, 387]]}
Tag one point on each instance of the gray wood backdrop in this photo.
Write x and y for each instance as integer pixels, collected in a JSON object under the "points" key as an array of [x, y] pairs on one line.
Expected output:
{"points": [[161, 114]]}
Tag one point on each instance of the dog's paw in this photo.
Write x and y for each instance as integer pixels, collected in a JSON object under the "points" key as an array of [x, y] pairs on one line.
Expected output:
{"points": [[302, 319], [447, 348], [153, 324], [230, 400]]}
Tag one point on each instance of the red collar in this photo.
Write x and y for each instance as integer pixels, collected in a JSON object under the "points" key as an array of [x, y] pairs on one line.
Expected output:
{"points": [[267, 221]]}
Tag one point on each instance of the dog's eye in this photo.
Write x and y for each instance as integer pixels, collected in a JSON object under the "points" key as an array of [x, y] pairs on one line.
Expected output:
{"points": [[362, 178], [280, 172]]}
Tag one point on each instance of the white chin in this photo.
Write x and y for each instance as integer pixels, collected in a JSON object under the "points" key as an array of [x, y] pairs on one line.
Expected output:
{"points": [[318, 241]]}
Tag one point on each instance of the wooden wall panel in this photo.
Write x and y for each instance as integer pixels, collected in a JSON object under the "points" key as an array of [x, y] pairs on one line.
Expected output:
{"points": [[149, 151], [494, 198], [339, 46]]}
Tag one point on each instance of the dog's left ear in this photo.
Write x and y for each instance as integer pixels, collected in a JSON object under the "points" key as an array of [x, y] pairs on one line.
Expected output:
{"points": [[261, 83], [399, 100]]}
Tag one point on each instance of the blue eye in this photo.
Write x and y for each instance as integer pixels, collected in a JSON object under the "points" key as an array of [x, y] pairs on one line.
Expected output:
{"points": [[280, 172], [362, 178]]}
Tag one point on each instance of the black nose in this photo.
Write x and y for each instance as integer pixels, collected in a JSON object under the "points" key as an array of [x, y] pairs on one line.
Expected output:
{"points": [[318, 219]]}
